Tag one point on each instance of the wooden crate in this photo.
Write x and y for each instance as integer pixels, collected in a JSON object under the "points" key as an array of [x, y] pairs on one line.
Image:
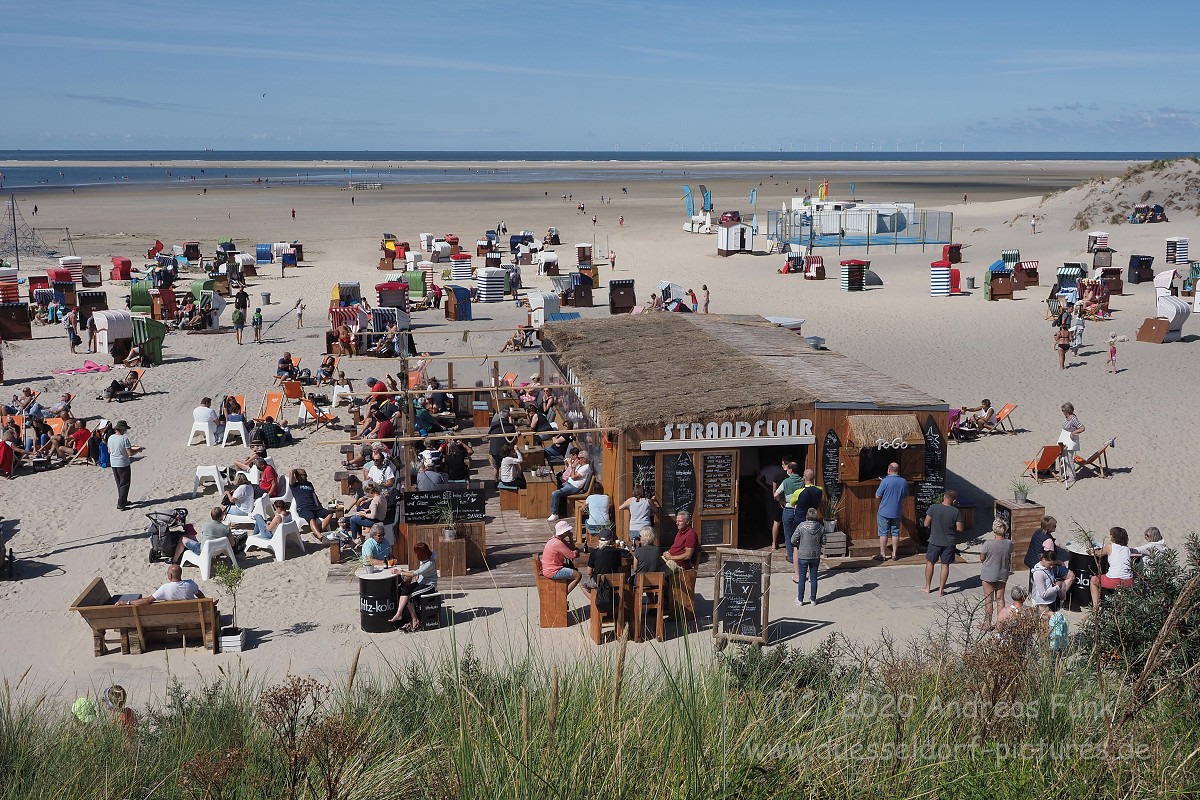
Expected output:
{"points": [[1022, 519]]}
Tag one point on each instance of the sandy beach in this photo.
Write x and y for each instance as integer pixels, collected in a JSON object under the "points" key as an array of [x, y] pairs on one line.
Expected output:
{"points": [[65, 528]]}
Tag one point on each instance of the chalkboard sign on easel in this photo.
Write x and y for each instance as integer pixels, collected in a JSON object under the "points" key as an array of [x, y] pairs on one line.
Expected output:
{"points": [[934, 485], [831, 457], [428, 508], [741, 596], [679, 483]]}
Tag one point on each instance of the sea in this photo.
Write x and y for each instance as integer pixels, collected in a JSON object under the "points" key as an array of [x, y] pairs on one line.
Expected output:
{"points": [[76, 168]]}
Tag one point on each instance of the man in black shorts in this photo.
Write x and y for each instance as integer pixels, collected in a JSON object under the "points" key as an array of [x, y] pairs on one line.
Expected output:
{"points": [[943, 521], [769, 478]]}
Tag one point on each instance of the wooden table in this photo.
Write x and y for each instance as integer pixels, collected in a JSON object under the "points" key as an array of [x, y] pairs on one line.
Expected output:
{"points": [[535, 497]]}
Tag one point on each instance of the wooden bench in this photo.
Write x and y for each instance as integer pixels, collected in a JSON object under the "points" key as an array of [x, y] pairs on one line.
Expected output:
{"points": [[167, 621], [552, 598]]}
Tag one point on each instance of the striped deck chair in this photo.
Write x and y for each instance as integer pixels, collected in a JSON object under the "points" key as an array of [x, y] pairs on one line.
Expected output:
{"points": [[814, 268], [1010, 257]]}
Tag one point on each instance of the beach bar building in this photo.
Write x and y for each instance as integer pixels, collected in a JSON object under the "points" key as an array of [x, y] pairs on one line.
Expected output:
{"points": [[694, 406]]}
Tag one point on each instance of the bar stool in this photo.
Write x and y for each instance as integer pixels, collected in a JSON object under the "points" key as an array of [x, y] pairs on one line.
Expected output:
{"points": [[651, 589]]}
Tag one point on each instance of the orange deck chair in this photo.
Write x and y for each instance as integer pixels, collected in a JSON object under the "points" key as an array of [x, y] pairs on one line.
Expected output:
{"points": [[1003, 415], [272, 406], [1044, 463], [1098, 460]]}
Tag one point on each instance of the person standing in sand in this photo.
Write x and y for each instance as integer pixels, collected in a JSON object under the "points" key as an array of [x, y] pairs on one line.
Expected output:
{"points": [[612, 259], [1033, 223], [1111, 364], [704, 295], [1062, 343], [256, 322], [1069, 439], [119, 459], [239, 322], [299, 314]]}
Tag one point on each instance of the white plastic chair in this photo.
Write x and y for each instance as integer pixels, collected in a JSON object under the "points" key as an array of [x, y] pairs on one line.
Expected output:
{"points": [[209, 431], [238, 427], [341, 390], [209, 549], [213, 472], [278, 541], [251, 474]]}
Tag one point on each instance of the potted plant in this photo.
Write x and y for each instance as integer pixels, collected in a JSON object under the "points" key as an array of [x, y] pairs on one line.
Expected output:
{"points": [[446, 518], [833, 507], [229, 578], [1020, 490]]}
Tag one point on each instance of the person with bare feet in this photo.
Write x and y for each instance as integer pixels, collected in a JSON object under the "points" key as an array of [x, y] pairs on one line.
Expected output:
{"points": [[943, 522]]}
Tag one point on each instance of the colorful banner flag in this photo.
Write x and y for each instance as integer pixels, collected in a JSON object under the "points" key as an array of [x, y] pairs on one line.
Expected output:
{"points": [[754, 196]]}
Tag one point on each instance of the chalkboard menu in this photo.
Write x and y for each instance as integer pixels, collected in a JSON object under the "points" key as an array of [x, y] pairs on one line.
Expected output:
{"points": [[934, 484], [717, 481], [830, 459], [644, 473], [679, 483], [740, 606], [1005, 515], [712, 532], [426, 508]]}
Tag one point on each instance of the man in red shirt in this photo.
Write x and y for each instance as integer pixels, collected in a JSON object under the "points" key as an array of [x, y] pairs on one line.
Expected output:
{"points": [[268, 477], [560, 548], [80, 436], [685, 550]]}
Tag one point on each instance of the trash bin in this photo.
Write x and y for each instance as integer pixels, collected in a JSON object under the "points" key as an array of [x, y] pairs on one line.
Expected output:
{"points": [[378, 596], [266, 298], [970, 281]]}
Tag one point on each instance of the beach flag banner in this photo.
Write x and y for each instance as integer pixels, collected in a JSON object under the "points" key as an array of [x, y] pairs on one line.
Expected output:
{"points": [[823, 190], [754, 225], [754, 196], [688, 202], [851, 190]]}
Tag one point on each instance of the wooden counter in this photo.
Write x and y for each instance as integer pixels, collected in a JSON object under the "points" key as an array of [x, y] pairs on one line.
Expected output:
{"points": [[1022, 520]]}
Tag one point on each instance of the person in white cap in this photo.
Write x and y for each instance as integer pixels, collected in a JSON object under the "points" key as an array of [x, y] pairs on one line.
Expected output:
{"points": [[558, 552]]}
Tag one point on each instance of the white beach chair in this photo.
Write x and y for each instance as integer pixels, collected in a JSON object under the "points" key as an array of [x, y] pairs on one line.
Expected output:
{"points": [[208, 429], [209, 549], [278, 541], [212, 471]]}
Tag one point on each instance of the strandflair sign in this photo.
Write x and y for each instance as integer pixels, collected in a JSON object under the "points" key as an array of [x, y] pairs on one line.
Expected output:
{"points": [[762, 429]]}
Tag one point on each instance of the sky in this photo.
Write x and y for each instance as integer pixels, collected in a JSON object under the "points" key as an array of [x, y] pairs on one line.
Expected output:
{"points": [[582, 75]]}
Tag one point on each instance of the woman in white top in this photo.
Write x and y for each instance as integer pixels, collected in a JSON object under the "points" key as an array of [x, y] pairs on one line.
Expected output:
{"points": [[599, 513], [241, 498], [1047, 590], [641, 509], [265, 529], [1069, 440], [511, 468], [1120, 565]]}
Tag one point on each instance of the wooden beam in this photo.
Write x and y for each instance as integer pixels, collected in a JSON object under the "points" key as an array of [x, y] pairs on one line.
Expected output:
{"points": [[445, 435], [459, 390]]}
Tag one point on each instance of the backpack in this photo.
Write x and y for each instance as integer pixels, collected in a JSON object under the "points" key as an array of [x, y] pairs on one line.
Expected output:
{"points": [[1060, 637], [239, 317]]}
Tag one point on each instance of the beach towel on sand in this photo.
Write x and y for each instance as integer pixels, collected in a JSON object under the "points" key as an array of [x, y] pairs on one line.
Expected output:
{"points": [[87, 368]]}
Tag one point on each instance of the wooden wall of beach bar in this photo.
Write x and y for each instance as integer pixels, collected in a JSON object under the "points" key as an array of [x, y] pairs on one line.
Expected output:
{"points": [[857, 515]]}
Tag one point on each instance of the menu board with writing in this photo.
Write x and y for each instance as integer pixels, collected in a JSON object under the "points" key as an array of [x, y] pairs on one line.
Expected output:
{"points": [[741, 602], [934, 484], [427, 508], [831, 456], [644, 473], [716, 471], [678, 483], [714, 532]]}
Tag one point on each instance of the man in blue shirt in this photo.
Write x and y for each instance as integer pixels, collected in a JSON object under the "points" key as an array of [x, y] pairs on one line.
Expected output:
{"points": [[891, 493]]}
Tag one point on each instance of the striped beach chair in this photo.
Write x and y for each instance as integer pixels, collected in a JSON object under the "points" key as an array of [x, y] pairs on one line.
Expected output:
{"points": [[1069, 274], [9, 291], [1010, 257], [1029, 271]]}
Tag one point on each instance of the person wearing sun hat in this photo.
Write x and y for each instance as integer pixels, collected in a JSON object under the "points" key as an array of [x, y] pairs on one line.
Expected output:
{"points": [[120, 455], [557, 554]]}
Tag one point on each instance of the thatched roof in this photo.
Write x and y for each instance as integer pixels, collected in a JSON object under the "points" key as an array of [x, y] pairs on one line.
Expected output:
{"points": [[865, 429], [651, 369]]}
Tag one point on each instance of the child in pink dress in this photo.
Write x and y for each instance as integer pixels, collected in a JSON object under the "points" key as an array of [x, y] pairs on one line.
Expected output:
{"points": [[1111, 364]]}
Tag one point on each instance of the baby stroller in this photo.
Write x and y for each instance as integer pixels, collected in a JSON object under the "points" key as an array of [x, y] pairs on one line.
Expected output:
{"points": [[163, 536]]}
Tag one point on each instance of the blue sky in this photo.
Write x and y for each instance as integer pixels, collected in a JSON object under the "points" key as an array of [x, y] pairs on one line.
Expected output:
{"points": [[582, 75]]}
